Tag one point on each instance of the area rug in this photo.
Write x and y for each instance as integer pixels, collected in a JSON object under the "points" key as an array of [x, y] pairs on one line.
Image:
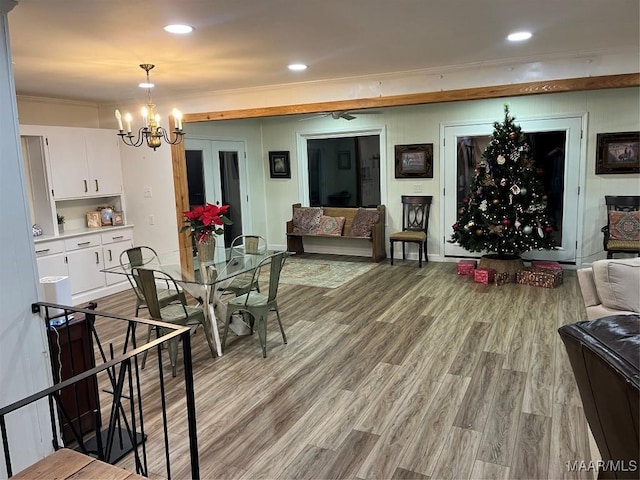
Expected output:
{"points": [[321, 273]]}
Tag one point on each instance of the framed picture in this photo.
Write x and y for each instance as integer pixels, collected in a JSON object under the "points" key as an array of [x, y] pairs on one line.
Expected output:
{"points": [[618, 153], [279, 165], [414, 161], [94, 220], [344, 160], [106, 216], [118, 218]]}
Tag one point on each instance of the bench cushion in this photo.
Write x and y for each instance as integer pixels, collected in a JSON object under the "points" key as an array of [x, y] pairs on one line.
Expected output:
{"points": [[363, 222], [618, 283], [330, 226], [306, 219]]}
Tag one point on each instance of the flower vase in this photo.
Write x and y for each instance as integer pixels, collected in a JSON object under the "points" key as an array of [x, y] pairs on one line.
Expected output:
{"points": [[206, 249]]}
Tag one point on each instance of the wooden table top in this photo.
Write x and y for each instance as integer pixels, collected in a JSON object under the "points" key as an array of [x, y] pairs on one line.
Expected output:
{"points": [[66, 463]]}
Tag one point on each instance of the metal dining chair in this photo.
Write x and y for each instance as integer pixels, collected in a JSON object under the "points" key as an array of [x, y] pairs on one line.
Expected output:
{"points": [[242, 245], [176, 313], [258, 305]]}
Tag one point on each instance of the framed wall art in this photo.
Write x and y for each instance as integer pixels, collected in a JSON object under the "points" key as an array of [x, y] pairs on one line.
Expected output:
{"points": [[618, 153], [279, 165], [414, 161]]}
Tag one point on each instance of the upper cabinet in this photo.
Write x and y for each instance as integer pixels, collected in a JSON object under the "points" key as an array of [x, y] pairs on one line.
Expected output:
{"points": [[84, 162]]}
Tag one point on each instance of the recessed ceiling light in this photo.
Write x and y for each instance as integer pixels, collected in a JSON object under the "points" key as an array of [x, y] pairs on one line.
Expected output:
{"points": [[519, 36], [297, 67], [178, 28]]}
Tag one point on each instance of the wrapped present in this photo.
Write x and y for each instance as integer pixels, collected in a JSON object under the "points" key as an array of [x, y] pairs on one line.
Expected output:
{"points": [[484, 275], [546, 265], [466, 267], [539, 277], [501, 278]]}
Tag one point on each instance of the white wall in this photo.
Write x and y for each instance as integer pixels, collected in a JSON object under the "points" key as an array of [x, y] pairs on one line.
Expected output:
{"points": [[24, 367]]}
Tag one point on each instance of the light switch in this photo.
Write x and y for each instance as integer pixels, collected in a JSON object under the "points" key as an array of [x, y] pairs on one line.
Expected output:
{"points": [[147, 192], [152, 219]]}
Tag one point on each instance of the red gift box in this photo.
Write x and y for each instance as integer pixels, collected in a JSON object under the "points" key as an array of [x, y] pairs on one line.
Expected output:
{"points": [[466, 267], [501, 278], [546, 265], [484, 275], [539, 277]]}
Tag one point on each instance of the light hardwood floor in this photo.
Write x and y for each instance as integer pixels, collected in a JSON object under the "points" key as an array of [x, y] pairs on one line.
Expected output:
{"points": [[401, 373]]}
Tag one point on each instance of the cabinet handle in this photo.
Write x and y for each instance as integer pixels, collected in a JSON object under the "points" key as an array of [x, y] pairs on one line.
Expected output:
{"points": [[97, 258], [118, 237], [43, 251], [86, 189], [83, 243], [110, 257], [97, 187]]}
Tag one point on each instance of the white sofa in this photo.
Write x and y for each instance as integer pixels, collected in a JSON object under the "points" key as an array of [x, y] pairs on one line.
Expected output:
{"points": [[611, 287]]}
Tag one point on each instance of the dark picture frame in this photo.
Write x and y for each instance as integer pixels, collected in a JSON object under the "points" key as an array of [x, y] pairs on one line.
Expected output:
{"points": [[618, 153], [414, 161], [344, 160], [279, 164]]}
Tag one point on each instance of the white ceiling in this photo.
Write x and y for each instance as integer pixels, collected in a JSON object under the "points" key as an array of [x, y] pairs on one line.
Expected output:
{"points": [[90, 49]]}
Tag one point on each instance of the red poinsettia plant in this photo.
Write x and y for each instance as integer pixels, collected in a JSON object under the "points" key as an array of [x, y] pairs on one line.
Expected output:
{"points": [[205, 220]]}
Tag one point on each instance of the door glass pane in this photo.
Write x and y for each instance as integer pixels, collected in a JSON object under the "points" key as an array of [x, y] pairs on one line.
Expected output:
{"points": [[230, 184], [195, 178], [548, 150]]}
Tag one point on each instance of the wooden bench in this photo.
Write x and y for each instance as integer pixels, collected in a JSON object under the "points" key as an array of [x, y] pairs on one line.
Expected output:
{"points": [[376, 240]]}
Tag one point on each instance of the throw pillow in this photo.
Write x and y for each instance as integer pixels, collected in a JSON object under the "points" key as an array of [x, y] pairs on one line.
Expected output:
{"points": [[331, 225], [363, 222], [624, 225], [617, 283], [306, 219]]}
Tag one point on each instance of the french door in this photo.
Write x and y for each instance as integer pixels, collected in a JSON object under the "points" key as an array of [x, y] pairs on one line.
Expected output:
{"points": [[216, 173], [557, 143]]}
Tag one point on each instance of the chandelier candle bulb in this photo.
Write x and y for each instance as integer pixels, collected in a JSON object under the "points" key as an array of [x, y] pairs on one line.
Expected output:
{"points": [[127, 118], [119, 118]]}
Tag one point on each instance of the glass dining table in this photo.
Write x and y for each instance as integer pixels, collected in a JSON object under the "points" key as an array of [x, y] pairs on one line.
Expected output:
{"points": [[204, 281]]}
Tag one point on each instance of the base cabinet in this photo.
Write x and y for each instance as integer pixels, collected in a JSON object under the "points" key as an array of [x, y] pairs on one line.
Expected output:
{"points": [[82, 257]]}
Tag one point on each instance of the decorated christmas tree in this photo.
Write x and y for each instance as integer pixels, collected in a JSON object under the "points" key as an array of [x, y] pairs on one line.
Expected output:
{"points": [[505, 210]]}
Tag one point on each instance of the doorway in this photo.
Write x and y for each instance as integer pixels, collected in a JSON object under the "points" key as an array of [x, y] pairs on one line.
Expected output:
{"points": [[216, 173], [557, 147]]}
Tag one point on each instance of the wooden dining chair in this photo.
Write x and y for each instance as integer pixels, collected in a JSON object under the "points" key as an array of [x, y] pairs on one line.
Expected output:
{"points": [[176, 313], [415, 224], [258, 305], [623, 223]]}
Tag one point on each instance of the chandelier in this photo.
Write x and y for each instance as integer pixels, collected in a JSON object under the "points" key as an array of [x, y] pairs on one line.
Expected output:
{"points": [[151, 133]]}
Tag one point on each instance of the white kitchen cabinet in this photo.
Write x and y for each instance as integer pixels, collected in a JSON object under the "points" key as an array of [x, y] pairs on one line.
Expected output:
{"points": [[113, 244], [84, 162], [84, 259], [51, 259], [84, 269]]}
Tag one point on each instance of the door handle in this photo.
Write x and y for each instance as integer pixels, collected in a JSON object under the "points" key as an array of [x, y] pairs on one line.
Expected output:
{"points": [[97, 258], [97, 187], [110, 257], [83, 243], [86, 188], [43, 251], [118, 237]]}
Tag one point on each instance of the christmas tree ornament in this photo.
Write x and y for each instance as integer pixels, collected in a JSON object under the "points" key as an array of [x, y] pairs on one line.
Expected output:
{"points": [[483, 205], [461, 211], [523, 191], [517, 223], [527, 230], [506, 222], [515, 189], [513, 136], [514, 156], [548, 229], [503, 182], [500, 160], [479, 232], [544, 198], [495, 201]]}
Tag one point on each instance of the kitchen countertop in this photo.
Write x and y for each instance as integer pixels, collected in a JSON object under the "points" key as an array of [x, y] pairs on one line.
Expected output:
{"points": [[78, 232]]}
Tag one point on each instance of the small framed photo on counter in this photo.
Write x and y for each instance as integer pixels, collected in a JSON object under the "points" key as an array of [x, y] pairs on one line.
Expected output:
{"points": [[94, 220], [118, 218], [106, 215]]}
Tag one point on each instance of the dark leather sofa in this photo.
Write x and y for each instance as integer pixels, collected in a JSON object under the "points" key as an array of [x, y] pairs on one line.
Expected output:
{"points": [[605, 358]]}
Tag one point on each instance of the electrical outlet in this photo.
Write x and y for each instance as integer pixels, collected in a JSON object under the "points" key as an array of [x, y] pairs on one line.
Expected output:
{"points": [[417, 188], [147, 192], [152, 220]]}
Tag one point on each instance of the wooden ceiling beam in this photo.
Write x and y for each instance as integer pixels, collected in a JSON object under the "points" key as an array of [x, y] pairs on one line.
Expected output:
{"points": [[476, 93]]}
